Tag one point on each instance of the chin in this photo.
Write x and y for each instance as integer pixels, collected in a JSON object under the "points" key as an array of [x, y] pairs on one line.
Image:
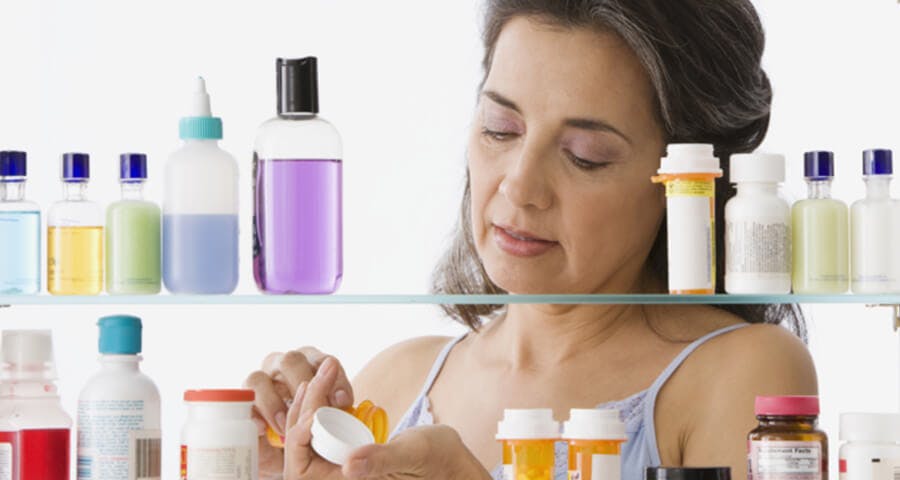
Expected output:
{"points": [[522, 277]]}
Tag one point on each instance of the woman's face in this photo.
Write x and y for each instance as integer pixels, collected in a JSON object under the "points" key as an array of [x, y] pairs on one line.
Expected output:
{"points": [[561, 152]]}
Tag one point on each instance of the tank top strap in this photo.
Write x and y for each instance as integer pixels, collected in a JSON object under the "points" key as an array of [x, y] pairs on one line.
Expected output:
{"points": [[438, 366], [653, 392]]}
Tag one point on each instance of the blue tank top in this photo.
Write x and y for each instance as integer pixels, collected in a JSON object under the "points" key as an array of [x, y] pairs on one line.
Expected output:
{"points": [[637, 411]]}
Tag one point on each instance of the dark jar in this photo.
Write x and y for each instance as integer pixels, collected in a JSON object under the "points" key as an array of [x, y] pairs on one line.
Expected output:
{"points": [[787, 445]]}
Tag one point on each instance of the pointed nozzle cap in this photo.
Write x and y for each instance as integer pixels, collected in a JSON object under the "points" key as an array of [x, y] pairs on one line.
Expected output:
{"points": [[200, 125]]}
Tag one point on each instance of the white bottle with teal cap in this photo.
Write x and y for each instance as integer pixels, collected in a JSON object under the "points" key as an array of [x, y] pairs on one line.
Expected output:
{"points": [[119, 410], [200, 210]]}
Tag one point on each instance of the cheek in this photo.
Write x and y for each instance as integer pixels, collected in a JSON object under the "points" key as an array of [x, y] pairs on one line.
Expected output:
{"points": [[616, 220], [484, 181]]}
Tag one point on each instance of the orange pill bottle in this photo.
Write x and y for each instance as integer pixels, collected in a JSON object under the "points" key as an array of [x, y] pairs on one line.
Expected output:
{"points": [[595, 439]]}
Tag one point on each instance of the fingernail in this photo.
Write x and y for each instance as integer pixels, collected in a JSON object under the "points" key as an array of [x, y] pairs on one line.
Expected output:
{"points": [[280, 419], [358, 467], [341, 398]]}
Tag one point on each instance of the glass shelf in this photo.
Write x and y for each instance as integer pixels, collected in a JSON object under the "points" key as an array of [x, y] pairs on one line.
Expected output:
{"points": [[424, 299]]}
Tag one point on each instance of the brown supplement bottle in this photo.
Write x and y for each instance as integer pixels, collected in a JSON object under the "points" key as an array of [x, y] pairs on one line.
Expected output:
{"points": [[787, 445]]}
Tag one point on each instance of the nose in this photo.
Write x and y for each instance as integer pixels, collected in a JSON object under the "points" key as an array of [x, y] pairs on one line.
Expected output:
{"points": [[525, 182]]}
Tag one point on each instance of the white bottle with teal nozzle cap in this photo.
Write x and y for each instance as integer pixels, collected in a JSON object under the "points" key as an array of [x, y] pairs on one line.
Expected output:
{"points": [[119, 410], [200, 210]]}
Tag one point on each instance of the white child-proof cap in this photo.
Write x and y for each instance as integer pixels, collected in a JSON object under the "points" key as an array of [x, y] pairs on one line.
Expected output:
{"points": [[594, 424], [28, 354], [530, 424], [689, 158], [870, 427], [336, 434], [757, 167]]}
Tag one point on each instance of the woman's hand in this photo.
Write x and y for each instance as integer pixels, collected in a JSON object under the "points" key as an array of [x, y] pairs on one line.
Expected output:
{"points": [[276, 385]]}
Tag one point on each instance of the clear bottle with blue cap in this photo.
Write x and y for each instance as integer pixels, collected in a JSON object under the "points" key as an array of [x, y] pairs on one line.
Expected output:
{"points": [[20, 229], [133, 238], [119, 409], [75, 234], [820, 232], [200, 210], [873, 224]]}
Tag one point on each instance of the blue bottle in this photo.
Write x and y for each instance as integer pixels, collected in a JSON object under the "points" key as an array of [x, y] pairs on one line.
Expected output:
{"points": [[20, 229]]}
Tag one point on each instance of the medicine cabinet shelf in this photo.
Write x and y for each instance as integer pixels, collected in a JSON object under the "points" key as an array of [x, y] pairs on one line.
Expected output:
{"points": [[424, 299]]}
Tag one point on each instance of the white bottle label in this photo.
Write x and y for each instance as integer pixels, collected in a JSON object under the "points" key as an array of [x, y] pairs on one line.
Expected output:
{"points": [[603, 467], [757, 246], [691, 240], [869, 467], [777, 460], [6, 461], [227, 463], [112, 442]]}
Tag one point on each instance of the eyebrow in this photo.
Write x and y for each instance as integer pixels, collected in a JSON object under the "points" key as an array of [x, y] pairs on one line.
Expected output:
{"points": [[591, 124]]}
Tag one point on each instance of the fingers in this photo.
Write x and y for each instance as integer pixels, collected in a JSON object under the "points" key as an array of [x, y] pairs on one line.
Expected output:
{"points": [[293, 368], [406, 454], [269, 403], [301, 365], [298, 454], [342, 395]]}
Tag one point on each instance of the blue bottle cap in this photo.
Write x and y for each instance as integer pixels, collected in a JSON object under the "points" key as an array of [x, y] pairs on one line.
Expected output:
{"points": [[818, 165], [120, 335], [878, 161], [76, 167], [133, 167], [13, 163]]}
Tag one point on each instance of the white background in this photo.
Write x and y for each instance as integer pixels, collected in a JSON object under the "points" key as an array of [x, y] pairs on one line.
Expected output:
{"points": [[399, 80]]}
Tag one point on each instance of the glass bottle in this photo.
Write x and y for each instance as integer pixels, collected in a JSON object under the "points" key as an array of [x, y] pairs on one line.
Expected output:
{"points": [[20, 229], [787, 442]]}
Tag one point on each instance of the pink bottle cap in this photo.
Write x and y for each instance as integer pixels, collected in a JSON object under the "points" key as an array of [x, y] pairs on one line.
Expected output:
{"points": [[793, 405]]}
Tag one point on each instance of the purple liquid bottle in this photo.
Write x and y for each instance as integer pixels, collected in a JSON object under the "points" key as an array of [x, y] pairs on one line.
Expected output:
{"points": [[297, 169]]}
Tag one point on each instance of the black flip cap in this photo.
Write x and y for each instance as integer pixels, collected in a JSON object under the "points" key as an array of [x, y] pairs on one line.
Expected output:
{"points": [[298, 85]]}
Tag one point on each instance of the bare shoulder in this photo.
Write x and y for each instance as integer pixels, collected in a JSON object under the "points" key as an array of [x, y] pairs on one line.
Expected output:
{"points": [[394, 377]]}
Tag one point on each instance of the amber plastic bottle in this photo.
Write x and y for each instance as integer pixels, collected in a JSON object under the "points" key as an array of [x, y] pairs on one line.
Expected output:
{"points": [[787, 443]]}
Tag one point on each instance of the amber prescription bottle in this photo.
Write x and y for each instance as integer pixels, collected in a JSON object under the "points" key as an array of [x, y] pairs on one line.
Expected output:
{"points": [[529, 444], [787, 444], [595, 439]]}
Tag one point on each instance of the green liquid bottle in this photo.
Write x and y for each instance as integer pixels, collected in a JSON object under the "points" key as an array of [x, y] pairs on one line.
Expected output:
{"points": [[133, 253], [820, 229]]}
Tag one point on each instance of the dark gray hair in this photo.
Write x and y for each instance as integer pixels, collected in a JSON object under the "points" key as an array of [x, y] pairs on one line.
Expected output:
{"points": [[703, 59]]}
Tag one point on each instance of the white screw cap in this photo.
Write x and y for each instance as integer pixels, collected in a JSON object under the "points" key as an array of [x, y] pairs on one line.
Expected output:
{"points": [[336, 434]]}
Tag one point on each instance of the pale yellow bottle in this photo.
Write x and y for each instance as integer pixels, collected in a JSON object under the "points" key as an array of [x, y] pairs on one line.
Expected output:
{"points": [[75, 234], [529, 444], [820, 230]]}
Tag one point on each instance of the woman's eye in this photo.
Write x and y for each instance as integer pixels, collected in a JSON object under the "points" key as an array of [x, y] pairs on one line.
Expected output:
{"points": [[497, 135], [585, 164]]}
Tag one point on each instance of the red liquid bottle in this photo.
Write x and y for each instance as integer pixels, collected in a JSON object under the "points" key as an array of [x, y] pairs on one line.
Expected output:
{"points": [[9, 436]]}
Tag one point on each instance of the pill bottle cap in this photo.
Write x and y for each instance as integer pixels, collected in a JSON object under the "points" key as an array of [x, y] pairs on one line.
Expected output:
{"points": [[689, 158], [132, 167], [757, 167], [13, 163], [219, 395], [200, 124], [120, 335], [336, 434], [878, 161], [533, 424], [870, 427], [818, 165], [76, 167], [594, 424], [789, 405], [684, 473], [297, 84], [27, 355]]}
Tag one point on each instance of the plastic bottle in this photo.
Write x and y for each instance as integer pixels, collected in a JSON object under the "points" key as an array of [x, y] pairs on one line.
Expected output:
{"points": [[133, 250], [42, 426], [372, 416], [529, 444], [757, 227], [595, 439], [119, 410], [874, 265], [297, 226], [871, 448], [689, 172], [200, 211], [219, 439], [9, 435], [787, 444], [688, 473], [75, 234], [820, 231], [20, 229]]}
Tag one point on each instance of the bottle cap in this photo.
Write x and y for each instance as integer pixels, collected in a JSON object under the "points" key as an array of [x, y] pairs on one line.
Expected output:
{"points": [[13, 163], [132, 167], [689, 158], [878, 162], [818, 165], [236, 395], [533, 424], [27, 355], [200, 124], [336, 434], [76, 167], [594, 424], [870, 427], [789, 405], [757, 167], [684, 473], [298, 85], [120, 335]]}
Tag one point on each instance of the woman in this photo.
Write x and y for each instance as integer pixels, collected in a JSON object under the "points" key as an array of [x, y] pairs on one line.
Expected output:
{"points": [[578, 102]]}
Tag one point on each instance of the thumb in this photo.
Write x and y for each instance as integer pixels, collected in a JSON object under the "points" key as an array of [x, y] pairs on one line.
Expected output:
{"points": [[401, 456]]}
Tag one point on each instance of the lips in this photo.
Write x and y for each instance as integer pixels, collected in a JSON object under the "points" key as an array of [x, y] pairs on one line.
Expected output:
{"points": [[520, 243]]}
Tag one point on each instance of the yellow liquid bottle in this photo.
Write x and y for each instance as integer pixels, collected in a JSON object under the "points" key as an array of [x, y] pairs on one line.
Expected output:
{"points": [[75, 234], [595, 439], [529, 444]]}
